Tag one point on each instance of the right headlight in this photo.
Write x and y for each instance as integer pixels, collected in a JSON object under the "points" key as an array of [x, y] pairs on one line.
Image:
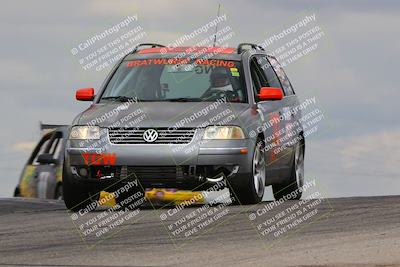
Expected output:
{"points": [[84, 132], [223, 132]]}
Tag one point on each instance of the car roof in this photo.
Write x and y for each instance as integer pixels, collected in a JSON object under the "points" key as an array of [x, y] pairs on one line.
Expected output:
{"points": [[51, 128], [226, 53], [188, 49], [152, 50]]}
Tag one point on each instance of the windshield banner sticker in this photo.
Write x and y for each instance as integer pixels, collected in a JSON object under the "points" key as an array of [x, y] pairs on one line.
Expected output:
{"points": [[177, 61]]}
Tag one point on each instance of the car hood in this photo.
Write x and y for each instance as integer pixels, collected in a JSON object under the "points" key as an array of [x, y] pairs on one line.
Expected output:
{"points": [[162, 114]]}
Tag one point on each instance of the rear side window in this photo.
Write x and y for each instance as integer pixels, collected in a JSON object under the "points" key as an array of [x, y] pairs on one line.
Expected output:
{"points": [[287, 86]]}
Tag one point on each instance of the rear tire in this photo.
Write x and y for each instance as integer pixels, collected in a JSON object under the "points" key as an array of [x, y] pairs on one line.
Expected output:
{"points": [[58, 194], [296, 179], [16, 192], [253, 190]]}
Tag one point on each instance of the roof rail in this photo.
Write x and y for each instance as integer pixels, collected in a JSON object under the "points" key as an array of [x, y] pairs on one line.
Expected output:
{"points": [[240, 48], [145, 44]]}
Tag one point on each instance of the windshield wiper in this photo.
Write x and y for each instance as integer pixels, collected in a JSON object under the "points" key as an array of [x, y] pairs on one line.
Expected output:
{"points": [[184, 99], [127, 98], [120, 98]]}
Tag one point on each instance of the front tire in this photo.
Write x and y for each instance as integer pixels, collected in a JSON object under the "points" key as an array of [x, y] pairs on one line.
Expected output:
{"points": [[252, 191], [76, 196], [296, 179]]}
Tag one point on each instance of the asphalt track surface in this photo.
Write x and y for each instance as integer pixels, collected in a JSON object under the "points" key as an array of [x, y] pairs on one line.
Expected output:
{"points": [[362, 231]]}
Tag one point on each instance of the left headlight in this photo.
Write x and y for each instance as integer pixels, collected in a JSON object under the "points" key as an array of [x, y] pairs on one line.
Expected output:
{"points": [[223, 132], [84, 132]]}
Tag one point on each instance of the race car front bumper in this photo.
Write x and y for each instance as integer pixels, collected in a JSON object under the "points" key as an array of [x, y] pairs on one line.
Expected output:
{"points": [[160, 166]]}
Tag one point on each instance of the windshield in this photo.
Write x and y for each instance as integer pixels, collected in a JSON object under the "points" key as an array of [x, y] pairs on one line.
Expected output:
{"points": [[173, 79]]}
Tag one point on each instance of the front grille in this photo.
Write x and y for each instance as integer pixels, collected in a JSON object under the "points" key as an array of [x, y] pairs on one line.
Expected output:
{"points": [[158, 175], [165, 136]]}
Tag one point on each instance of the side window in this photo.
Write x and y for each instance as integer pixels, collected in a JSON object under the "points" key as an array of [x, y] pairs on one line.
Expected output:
{"points": [[56, 145], [258, 77], [287, 87], [269, 72], [50, 143], [57, 150], [40, 149]]}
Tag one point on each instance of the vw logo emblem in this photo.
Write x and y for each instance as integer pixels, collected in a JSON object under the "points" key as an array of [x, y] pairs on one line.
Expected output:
{"points": [[150, 135]]}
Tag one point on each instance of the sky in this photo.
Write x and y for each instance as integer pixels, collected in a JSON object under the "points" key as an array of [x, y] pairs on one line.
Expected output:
{"points": [[352, 73]]}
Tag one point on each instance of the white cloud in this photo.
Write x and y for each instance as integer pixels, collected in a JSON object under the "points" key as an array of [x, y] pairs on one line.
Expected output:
{"points": [[373, 152], [18, 71], [356, 165], [23, 146]]}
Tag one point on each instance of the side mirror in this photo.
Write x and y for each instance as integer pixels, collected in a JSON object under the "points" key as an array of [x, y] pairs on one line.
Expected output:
{"points": [[85, 94], [46, 158], [270, 93]]}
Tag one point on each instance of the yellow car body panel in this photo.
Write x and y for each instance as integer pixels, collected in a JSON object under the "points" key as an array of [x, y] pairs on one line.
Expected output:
{"points": [[26, 185], [174, 197], [161, 195], [109, 199]]}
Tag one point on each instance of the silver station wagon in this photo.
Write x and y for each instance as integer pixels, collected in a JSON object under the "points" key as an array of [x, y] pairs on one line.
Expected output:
{"points": [[187, 118]]}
